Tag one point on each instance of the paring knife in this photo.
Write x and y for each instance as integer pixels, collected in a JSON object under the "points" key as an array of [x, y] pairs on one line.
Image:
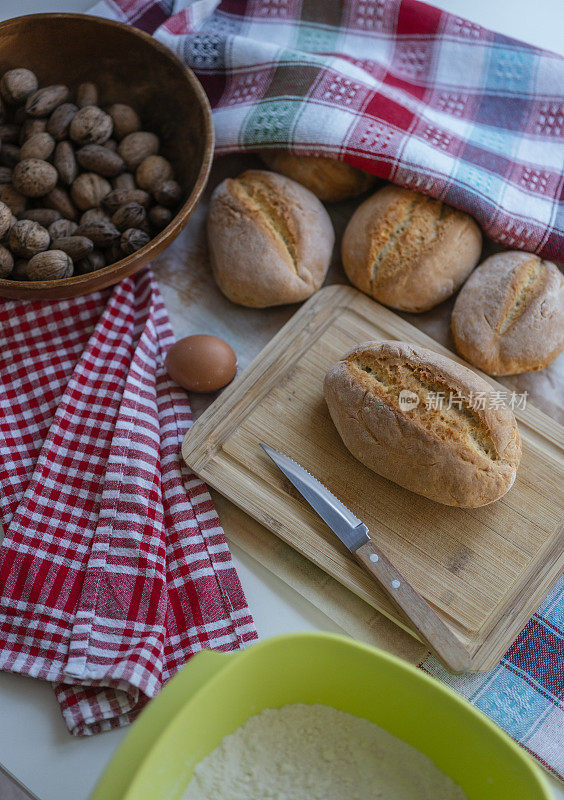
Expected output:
{"points": [[354, 535]]}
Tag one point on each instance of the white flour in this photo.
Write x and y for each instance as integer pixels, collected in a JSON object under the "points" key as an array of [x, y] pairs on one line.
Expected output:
{"points": [[303, 752]]}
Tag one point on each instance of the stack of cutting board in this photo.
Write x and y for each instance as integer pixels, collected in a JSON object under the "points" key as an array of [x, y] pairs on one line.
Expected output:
{"points": [[485, 570]]}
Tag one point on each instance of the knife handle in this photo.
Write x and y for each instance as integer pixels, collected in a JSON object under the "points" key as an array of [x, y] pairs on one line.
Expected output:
{"points": [[430, 627]]}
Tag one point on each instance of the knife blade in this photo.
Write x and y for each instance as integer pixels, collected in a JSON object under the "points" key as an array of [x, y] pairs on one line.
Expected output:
{"points": [[353, 533]]}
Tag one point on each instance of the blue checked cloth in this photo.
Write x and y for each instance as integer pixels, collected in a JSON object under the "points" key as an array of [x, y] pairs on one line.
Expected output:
{"points": [[524, 694], [410, 93]]}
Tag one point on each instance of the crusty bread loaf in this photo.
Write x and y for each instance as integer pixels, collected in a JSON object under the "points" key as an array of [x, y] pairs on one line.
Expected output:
{"points": [[383, 399], [409, 251], [328, 179], [270, 239], [509, 315]]}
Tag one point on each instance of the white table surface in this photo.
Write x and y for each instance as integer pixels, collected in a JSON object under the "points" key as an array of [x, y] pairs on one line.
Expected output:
{"points": [[34, 743]]}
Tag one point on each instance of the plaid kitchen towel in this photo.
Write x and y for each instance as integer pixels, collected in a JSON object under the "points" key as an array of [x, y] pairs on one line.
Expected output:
{"points": [[401, 89], [524, 694], [114, 568]]}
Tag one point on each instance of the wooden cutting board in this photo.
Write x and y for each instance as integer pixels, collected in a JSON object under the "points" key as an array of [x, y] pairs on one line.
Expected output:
{"points": [[486, 570]]}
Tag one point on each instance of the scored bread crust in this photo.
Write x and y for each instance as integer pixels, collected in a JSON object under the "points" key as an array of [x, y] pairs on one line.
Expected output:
{"points": [[328, 179], [459, 457], [409, 251], [270, 239], [509, 316]]}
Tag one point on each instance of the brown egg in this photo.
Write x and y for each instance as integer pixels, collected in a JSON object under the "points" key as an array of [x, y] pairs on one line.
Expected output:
{"points": [[201, 363]]}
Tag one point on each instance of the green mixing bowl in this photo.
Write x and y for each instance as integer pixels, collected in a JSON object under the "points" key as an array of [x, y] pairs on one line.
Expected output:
{"points": [[216, 693]]}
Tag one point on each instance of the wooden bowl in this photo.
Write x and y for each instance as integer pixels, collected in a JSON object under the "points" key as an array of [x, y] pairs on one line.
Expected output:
{"points": [[128, 66]]}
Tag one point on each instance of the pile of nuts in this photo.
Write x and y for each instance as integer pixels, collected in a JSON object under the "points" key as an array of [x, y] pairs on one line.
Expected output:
{"points": [[80, 186]]}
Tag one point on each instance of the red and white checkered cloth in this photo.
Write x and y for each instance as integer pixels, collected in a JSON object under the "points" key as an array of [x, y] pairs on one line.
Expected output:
{"points": [[413, 94], [114, 568]]}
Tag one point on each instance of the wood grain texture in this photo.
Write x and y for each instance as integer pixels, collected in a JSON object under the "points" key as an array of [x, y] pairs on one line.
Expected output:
{"points": [[128, 66], [484, 570], [428, 624], [341, 606]]}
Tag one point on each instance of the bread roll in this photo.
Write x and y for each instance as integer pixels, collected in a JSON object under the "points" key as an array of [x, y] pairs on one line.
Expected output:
{"points": [[328, 179], [509, 315], [383, 399], [270, 239], [409, 251]]}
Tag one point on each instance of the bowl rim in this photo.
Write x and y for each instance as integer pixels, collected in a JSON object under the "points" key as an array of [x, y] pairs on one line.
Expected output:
{"points": [[215, 669], [128, 265]]}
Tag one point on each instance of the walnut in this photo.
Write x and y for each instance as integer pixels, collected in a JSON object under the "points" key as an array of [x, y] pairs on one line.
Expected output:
{"points": [[65, 162], [59, 122], [49, 265], [28, 238], [93, 261], [42, 102], [34, 177], [97, 158], [153, 171], [125, 119], [91, 125], [15, 201], [130, 215], [136, 147], [19, 273], [87, 95], [113, 253], [44, 216], [133, 239], [6, 262], [32, 126], [89, 189], [17, 84], [119, 197], [93, 215], [160, 217], [5, 218], [168, 193], [6, 236], [125, 181], [62, 228], [76, 247], [102, 232], [60, 200], [40, 145]]}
